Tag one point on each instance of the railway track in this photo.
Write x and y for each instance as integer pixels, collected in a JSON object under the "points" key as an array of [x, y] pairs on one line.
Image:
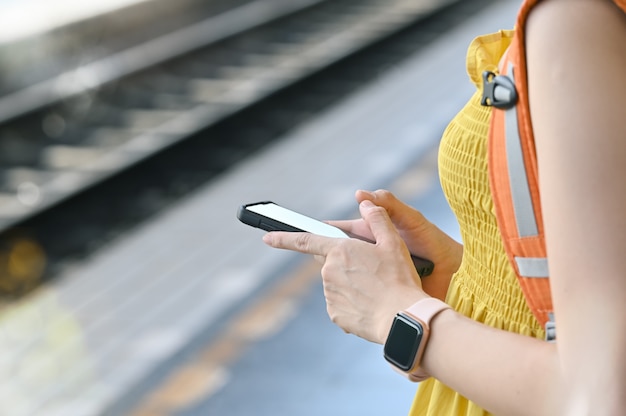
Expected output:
{"points": [[79, 165], [64, 134]]}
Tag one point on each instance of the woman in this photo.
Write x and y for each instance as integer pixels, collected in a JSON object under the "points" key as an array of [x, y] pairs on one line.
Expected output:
{"points": [[487, 352]]}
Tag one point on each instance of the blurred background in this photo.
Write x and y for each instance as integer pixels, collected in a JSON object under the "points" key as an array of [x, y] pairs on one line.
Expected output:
{"points": [[130, 133]]}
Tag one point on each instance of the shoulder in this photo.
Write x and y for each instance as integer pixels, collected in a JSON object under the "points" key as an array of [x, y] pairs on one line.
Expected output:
{"points": [[577, 19], [575, 59], [576, 27], [575, 55]]}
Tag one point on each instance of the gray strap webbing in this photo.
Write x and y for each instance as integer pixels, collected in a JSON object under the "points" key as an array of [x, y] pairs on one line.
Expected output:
{"points": [[532, 266], [520, 191]]}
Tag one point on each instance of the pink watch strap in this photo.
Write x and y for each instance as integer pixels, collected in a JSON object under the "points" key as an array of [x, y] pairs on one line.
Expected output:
{"points": [[426, 309]]}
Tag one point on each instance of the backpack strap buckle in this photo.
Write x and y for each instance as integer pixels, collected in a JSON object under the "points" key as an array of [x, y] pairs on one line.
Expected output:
{"points": [[498, 91], [550, 328]]}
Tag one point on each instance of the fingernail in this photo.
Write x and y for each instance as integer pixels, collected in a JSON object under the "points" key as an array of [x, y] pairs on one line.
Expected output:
{"points": [[367, 204], [267, 239]]}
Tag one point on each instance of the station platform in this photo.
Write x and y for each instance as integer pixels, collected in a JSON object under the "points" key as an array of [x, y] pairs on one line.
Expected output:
{"points": [[193, 315]]}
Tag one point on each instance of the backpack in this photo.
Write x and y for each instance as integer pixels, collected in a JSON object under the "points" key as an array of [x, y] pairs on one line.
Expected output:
{"points": [[513, 176]]}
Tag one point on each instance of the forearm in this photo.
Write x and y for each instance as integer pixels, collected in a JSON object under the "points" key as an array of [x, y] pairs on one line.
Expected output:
{"points": [[437, 284], [505, 373], [448, 260]]}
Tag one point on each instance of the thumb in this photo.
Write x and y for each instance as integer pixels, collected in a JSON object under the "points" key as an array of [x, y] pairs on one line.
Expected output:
{"points": [[378, 221], [403, 216]]}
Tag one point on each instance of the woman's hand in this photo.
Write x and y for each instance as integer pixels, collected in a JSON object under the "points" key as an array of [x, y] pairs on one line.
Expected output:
{"points": [[422, 238], [365, 284]]}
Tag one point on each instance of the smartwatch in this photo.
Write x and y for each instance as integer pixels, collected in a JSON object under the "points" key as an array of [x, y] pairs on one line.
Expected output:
{"points": [[408, 336]]}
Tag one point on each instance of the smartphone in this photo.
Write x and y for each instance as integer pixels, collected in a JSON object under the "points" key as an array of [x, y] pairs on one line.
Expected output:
{"points": [[269, 216]]}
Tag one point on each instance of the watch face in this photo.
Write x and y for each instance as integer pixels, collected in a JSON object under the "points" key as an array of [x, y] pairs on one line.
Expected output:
{"points": [[403, 341]]}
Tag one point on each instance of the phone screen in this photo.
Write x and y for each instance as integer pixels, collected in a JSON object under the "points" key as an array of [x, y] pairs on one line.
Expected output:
{"points": [[271, 216]]}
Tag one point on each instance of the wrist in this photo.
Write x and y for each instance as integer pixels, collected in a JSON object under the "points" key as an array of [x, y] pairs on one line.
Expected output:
{"points": [[409, 334], [399, 304]]}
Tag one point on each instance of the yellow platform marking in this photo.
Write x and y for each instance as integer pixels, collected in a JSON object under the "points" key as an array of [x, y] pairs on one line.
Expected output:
{"points": [[208, 371]]}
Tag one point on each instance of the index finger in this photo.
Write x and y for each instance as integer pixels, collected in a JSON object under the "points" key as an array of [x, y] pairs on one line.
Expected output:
{"points": [[303, 242], [354, 228]]}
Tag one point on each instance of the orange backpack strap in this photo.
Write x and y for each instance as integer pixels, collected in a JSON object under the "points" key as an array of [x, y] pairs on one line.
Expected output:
{"points": [[513, 177]]}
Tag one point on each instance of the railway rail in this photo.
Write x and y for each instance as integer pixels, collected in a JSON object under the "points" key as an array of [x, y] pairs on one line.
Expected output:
{"points": [[67, 133]]}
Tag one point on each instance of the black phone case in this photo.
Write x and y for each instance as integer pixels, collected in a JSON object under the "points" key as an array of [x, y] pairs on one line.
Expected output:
{"points": [[260, 221]]}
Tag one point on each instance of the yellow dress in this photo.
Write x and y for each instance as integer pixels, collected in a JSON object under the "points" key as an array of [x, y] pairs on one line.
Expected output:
{"points": [[485, 287]]}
